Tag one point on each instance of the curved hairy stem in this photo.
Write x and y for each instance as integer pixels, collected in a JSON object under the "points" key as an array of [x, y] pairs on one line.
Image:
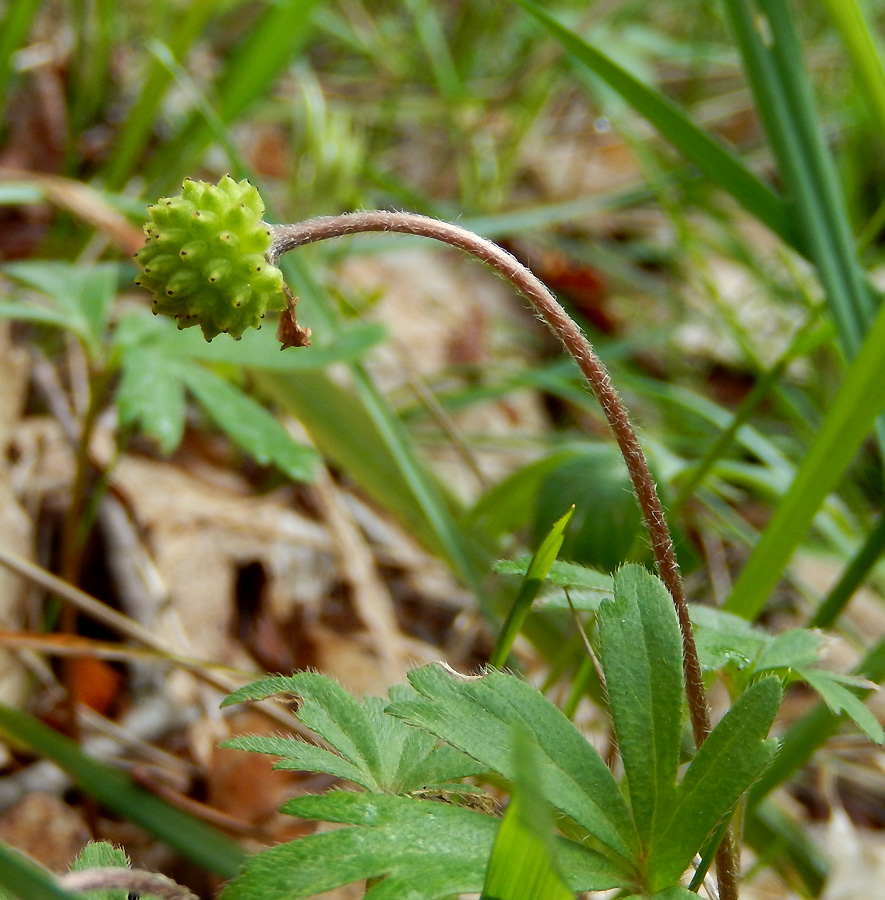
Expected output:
{"points": [[133, 881], [288, 237]]}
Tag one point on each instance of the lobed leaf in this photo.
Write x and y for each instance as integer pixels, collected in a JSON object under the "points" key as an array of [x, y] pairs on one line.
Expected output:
{"points": [[839, 699], [248, 423], [422, 850], [102, 855], [477, 715], [151, 396], [725, 766], [374, 750], [641, 654], [83, 294]]}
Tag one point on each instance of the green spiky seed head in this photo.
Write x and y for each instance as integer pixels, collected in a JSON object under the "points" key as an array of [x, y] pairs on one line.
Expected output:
{"points": [[204, 258]]}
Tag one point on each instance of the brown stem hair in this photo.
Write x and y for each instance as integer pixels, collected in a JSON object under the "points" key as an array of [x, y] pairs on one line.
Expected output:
{"points": [[288, 237]]}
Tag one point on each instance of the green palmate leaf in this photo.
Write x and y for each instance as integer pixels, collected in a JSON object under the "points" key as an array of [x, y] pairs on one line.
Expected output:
{"points": [[789, 650], [21, 877], [834, 690], [329, 711], [249, 424], [562, 573], [41, 315], [522, 866], [725, 766], [83, 294], [850, 419], [373, 749], [151, 396], [102, 855], [477, 715], [421, 849], [302, 757], [534, 577], [722, 639], [641, 655]]}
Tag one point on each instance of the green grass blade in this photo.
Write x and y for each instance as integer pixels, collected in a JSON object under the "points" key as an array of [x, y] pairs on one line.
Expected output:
{"points": [[850, 419], [359, 433], [528, 590], [718, 163], [193, 839], [851, 579], [640, 648], [358, 430], [13, 31], [863, 53], [141, 118], [786, 106], [22, 877], [254, 65], [522, 866]]}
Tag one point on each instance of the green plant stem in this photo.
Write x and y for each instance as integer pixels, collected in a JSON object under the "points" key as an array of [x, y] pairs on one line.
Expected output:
{"points": [[851, 579], [288, 237]]}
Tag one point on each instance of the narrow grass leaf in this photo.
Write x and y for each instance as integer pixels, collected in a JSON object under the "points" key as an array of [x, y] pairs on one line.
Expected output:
{"points": [[727, 763], [719, 164], [248, 423], [248, 76], [359, 434], [522, 866], [783, 97], [477, 715], [14, 28], [261, 350], [138, 125], [21, 877], [641, 654], [528, 590], [849, 420], [865, 58], [194, 839]]}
